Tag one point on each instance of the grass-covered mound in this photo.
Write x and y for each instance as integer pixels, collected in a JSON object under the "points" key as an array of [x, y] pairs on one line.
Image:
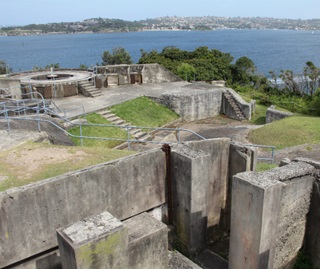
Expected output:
{"points": [[143, 111], [291, 131], [33, 162]]}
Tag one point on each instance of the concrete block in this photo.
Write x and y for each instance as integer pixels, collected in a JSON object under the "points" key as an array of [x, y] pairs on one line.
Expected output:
{"points": [[97, 242], [190, 177], [254, 220], [148, 243]]}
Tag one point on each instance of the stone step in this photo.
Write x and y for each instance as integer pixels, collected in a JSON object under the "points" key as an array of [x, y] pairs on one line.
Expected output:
{"points": [[134, 131], [112, 118], [118, 122], [139, 135]]}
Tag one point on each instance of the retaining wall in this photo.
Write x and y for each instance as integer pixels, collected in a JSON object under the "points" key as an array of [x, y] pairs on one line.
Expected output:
{"points": [[10, 86], [274, 114]]}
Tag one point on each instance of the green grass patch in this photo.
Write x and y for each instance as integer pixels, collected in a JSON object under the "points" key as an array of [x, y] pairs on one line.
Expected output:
{"points": [[98, 131], [32, 162], [143, 111], [291, 131], [259, 117], [265, 166]]}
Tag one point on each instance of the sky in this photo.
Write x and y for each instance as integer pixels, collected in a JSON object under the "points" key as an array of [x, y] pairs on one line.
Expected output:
{"points": [[23, 12]]}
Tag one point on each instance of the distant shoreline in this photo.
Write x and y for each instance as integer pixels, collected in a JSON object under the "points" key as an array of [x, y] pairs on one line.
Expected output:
{"points": [[150, 30]]}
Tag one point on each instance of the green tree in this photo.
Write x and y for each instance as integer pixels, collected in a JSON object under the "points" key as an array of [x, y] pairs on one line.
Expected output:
{"points": [[4, 68], [186, 71], [54, 65], [118, 56], [312, 72], [243, 71]]}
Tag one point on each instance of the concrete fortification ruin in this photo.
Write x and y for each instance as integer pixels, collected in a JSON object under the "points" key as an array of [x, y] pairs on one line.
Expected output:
{"points": [[125, 213]]}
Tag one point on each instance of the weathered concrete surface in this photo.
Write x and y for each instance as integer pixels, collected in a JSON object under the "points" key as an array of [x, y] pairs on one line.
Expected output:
{"points": [[269, 216], [195, 101], [218, 183], [190, 177], [98, 242], [274, 114], [178, 261], [31, 214], [313, 229], [295, 202], [148, 243], [155, 73], [254, 220]]}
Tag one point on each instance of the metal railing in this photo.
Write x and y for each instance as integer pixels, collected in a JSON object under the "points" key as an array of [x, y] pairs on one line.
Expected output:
{"points": [[38, 110], [267, 147]]}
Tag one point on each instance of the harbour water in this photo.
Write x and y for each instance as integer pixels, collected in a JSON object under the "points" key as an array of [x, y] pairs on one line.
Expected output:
{"points": [[269, 49]]}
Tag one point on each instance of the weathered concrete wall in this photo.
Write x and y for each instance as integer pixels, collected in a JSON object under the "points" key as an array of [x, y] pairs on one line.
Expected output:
{"points": [[295, 202], [313, 227], [218, 183], [155, 73], [30, 214], [268, 226], [274, 114], [10, 86], [190, 177], [195, 101]]}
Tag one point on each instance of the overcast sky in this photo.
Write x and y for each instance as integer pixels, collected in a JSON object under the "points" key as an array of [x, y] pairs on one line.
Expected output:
{"points": [[22, 12]]}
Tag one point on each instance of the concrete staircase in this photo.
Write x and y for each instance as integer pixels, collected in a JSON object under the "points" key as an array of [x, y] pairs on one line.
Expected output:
{"points": [[138, 134], [233, 104], [88, 89]]}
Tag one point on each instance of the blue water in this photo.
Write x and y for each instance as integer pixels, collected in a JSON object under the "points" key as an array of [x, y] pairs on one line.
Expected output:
{"points": [[269, 49]]}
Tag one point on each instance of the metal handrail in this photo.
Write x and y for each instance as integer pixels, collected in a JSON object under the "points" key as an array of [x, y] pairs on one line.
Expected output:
{"points": [[264, 146]]}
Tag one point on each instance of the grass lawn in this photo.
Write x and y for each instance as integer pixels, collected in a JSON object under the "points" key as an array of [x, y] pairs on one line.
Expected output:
{"points": [[143, 111], [98, 131], [291, 131], [33, 162]]}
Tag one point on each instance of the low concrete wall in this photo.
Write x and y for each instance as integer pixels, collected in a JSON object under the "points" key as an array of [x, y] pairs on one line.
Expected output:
{"points": [[155, 73], [274, 114], [195, 101], [31, 214]]}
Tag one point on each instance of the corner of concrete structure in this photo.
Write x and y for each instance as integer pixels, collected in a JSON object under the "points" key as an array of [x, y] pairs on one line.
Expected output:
{"points": [[254, 219]]}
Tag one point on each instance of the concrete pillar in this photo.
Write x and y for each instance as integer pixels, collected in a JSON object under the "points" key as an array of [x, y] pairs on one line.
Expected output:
{"points": [[254, 220], [218, 183], [190, 179], [97, 242]]}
